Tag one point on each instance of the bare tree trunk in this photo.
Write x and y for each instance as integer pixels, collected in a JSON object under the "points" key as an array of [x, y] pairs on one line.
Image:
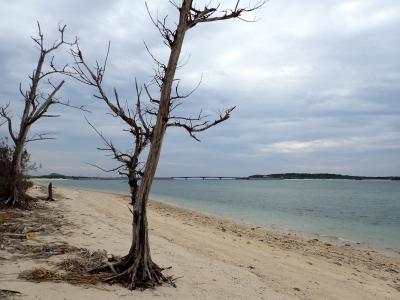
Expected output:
{"points": [[133, 185], [16, 196], [142, 267], [137, 270]]}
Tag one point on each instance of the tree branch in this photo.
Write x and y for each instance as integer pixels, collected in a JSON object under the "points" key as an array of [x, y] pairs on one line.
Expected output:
{"points": [[213, 14], [106, 170], [40, 137], [5, 114], [42, 109], [118, 155], [191, 127]]}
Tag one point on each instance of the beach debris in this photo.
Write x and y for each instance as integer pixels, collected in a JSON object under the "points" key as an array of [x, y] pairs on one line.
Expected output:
{"points": [[7, 294], [28, 229], [45, 250], [15, 235], [311, 241], [16, 231], [32, 234], [297, 289], [251, 267], [74, 269], [391, 270], [40, 274], [43, 274], [83, 261]]}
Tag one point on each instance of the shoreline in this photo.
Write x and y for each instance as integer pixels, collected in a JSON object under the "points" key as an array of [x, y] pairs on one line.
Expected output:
{"points": [[214, 258], [336, 240], [209, 178]]}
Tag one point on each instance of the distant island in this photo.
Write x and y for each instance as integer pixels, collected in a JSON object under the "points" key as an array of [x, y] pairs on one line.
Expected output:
{"points": [[279, 176]]}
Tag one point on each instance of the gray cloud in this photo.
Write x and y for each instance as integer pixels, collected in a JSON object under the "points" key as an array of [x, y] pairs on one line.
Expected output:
{"points": [[316, 85]]}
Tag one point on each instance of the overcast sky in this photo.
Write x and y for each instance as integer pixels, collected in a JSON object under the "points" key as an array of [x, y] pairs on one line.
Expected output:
{"points": [[316, 85]]}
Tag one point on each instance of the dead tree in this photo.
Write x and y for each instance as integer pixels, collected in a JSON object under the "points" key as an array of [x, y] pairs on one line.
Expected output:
{"points": [[38, 98], [148, 124]]}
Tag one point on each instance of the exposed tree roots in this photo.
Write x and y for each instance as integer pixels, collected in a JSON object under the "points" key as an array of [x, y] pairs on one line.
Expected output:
{"points": [[134, 272], [16, 200]]}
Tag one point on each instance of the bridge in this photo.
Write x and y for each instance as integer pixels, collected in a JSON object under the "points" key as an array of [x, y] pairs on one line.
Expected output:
{"points": [[203, 178]]}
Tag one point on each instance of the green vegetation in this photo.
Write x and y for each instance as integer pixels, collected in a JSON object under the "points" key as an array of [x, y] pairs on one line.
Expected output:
{"points": [[6, 161], [61, 176], [51, 176]]}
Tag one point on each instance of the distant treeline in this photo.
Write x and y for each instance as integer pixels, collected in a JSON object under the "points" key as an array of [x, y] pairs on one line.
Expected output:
{"points": [[252, 177], [320, 176], [61, 176]]}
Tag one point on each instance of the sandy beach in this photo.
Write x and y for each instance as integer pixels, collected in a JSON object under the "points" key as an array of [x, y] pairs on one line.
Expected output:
{"points": [[213, 258]]}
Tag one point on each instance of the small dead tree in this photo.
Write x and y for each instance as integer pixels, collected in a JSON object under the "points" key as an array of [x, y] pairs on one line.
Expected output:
{"points": [[148, 124], [38, 98]]}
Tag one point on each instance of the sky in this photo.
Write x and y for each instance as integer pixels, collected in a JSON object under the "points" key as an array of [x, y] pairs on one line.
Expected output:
{"points": [[316, 85]]}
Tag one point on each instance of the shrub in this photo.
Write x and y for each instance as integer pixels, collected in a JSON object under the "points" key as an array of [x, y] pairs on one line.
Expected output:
{"points": [[6, 157]]}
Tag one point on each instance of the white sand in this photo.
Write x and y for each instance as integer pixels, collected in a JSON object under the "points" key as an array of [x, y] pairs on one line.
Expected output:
{"points": [[215, 258]]}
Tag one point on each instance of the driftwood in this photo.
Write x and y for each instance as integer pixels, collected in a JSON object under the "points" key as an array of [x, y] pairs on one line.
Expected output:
{"points": [[50, 192]]}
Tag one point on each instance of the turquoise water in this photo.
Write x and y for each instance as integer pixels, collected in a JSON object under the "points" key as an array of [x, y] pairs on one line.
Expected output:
{"points": [[367, 211]]}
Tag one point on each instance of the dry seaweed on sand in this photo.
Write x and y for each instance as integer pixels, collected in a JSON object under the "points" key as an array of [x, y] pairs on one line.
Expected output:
{"points": [[83, 261], [36, 250], [73, 269], [76, 269], [46, 250], [40, 274], [8, 294], [77, 278]]}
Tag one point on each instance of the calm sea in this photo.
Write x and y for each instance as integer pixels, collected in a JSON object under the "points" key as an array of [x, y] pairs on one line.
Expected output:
{"points": [[366, 212]]}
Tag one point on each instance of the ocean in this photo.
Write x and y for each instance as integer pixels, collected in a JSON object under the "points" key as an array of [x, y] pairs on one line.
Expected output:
{"points": [[365, 212]]}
